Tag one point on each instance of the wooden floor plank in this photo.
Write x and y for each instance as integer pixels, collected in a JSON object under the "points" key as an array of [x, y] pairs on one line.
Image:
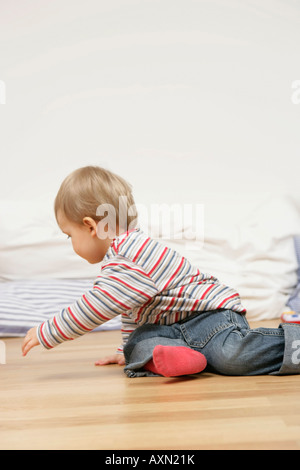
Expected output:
{"points": [[59, 400]]}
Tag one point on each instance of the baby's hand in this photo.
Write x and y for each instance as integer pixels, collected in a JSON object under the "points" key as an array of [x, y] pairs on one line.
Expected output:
{"points": [[113, 359], [30, 341]]}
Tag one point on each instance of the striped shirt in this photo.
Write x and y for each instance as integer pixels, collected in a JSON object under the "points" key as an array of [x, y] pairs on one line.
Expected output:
{"points": [[145, 282]]}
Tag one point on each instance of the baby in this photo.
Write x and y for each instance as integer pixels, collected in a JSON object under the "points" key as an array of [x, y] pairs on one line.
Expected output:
{"points": [[176, 320]]}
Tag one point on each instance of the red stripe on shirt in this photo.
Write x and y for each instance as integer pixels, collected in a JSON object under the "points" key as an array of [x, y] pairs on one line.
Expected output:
{"points": [[158, 261], [141, 309], [42, 335], [126, 331], [142, 247], [174, 274], [77, 321], [113, 298], [180, 291], [207, 290], [195, 304], [56, 324], [124, 266], [125, 238], [165, 310], [228, 298], [130, 287], [94, 309]]}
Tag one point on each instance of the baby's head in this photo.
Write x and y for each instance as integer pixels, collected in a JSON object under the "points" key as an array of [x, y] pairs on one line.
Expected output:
{"points": [[96, 199]]}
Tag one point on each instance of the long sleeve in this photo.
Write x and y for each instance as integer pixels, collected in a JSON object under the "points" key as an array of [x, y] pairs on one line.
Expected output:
{"points": [[128, 326], [121, 287]]}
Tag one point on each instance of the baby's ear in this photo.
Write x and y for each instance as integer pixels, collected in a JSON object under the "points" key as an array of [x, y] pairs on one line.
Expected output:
{"points": [[91, 224]]}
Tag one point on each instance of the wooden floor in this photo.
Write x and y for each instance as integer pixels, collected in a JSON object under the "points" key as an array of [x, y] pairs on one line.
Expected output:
{"points": [[59, 400]]}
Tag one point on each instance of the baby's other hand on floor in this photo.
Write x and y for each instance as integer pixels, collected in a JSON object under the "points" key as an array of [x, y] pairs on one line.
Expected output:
{"points": [[113, 359]]}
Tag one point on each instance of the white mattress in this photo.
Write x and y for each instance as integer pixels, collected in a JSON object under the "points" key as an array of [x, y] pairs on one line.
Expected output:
{"points": [[255, 255]]}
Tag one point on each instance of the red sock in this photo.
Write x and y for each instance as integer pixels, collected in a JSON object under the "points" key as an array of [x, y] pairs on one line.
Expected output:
{"points": [[172, 361]]}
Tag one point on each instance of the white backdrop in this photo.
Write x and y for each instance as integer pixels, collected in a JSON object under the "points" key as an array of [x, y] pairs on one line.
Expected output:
{"points": [[181, 97], [190, 100]]}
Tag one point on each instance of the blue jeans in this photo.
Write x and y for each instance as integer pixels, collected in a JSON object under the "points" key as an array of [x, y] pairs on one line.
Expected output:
{"points": [[225, 339]]}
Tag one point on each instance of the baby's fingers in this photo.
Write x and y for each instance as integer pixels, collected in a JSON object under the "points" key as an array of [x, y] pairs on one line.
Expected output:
{"points": [[102, 362], [26, 346], [30, 341], [114, 359]]}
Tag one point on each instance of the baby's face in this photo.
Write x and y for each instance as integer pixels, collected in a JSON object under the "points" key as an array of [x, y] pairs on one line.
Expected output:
{"points": [[84, 238]]}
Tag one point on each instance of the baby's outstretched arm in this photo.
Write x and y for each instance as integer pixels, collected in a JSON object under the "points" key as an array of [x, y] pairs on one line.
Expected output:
{"points": [[30, 341]]}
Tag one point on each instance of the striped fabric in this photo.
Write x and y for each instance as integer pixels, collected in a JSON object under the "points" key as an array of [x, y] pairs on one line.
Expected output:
{"points": [[145, 282], [27, 303]]}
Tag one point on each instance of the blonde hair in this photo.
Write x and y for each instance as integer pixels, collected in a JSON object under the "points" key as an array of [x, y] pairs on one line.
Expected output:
{"points": [[87, 188]]}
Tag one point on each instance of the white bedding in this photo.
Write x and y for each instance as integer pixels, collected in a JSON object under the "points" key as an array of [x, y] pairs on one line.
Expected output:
{"points": [[40, 274], [255, 255]]}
